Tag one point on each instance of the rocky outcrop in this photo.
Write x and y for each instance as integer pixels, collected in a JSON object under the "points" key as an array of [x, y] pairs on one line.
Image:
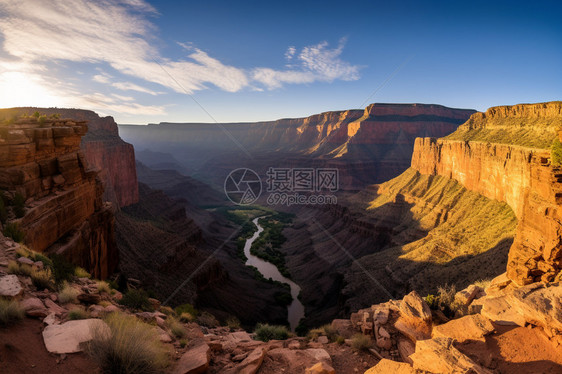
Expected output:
{"points": [[520, 176], [64, 211], [103, 148]]}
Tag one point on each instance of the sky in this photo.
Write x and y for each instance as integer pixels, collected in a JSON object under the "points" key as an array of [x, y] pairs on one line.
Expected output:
{"points": [[230, 61]]}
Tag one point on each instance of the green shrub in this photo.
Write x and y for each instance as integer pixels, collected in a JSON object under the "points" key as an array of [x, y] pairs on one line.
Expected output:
{"points": [[44, 259], [103, 286], [556, 152], [233, 323], [62, 269], [167, 311], [183, 343], [19, 205], [12, 230], [36, 115], [10, 312], [360, 342], [68, 294], [340, 340], [131, 347], [3, 211], [265, 332], [208, 320], [186, 317], [330, 332], [13, 267], [136, 299], [186, 308], [81, 272], [77, 313], [445, 301], [176, 327], [42, 279]]}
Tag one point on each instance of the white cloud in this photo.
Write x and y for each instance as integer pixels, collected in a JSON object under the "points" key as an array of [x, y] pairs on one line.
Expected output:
{"points": [[118, 35], [101, 78], [316, 63], [290, 53]]}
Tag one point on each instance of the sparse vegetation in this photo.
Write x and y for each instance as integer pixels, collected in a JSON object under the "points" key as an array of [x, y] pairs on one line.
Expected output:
{"points": [[186, 308], [326, 330], [10, 312], [77, 313], [265, 332], [483, 283], [556, 152], [68, 294], [62, 269], [445, 301], [103, 286], [529, 132], [183, 343], [136, 299], [360, 342], [12, 230], [208, 320], [340, 340], [81, 272], [3, 210], [176, 327], [42, 279], [19, 205], [15, 267], [187, 317], [167, 311], [233, 323], [130, 347]]}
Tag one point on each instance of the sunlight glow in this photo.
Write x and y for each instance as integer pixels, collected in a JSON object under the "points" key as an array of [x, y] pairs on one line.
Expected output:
{"points": [[20, 89]]}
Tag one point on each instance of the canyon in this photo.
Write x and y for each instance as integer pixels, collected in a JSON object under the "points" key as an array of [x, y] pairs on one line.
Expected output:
{"points": [[477, 206], [368, 146]]}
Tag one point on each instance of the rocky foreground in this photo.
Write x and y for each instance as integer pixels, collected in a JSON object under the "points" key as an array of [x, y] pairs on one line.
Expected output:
{"points": [[505, 329]]}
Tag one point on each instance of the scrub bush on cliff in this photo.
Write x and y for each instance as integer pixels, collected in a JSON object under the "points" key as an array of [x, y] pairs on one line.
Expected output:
{"points": [[556, 153]]}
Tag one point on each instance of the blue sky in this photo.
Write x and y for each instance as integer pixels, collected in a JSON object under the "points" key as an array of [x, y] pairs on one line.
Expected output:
{"points": [[146, 61]]}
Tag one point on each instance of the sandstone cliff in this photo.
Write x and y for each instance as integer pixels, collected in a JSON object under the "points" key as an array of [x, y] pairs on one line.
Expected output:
{"points": [[64, 211], [522, 177], [368, 146], [104, 149]]}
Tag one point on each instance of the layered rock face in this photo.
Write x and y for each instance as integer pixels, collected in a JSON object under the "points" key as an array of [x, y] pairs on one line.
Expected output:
{"points": [[520, 176], [367, 146], [64, 210], [103, 149]]}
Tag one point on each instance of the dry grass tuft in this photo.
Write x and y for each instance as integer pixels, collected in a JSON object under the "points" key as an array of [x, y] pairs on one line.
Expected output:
{"points": [[131, 347]]}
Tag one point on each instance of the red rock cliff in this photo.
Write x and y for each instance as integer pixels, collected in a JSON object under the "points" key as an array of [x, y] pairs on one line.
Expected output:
{"points": [[64, 211], [104, 149], [520, 176]]}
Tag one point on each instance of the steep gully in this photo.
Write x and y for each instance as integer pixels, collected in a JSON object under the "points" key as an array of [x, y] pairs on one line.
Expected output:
{"points": [[268, 270]]}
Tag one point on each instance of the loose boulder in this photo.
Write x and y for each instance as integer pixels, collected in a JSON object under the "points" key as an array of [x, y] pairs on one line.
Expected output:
{"points": [[68, 337], [473, 327], [195, 360], [388, 366], [10, 286], [439, 356]]}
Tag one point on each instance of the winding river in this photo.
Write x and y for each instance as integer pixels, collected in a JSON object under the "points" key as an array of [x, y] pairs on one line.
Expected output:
{"points": [[295, 309]]}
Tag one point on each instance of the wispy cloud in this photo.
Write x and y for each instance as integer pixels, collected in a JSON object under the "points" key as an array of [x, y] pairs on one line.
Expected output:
{"points": [[118, 35], [316, 63]]}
